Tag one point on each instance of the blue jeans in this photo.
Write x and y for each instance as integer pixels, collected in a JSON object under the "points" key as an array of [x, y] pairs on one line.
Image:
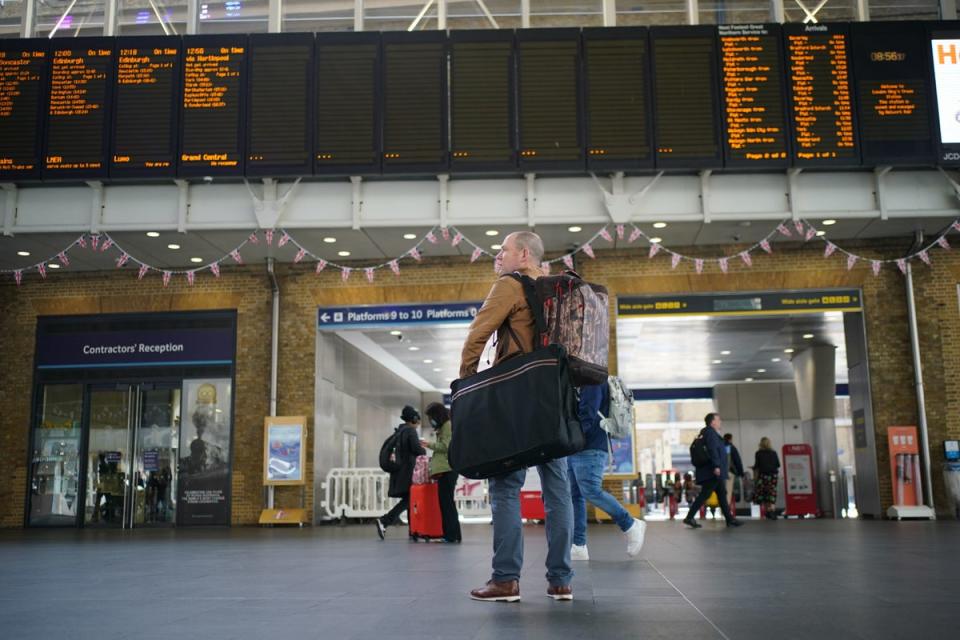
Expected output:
{"points": [[508, 530], [586, 483]]}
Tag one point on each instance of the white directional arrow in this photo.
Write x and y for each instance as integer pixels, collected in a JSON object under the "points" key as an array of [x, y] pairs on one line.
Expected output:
{"points": [[325, 317]]}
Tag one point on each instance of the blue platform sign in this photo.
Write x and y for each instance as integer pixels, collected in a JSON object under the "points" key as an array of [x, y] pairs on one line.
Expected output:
{"points": [[371, 316]]}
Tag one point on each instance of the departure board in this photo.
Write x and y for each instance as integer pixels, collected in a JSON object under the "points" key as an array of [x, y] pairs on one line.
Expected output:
{"points": [[820, 87], [686, 91], [348, 99], [754, 103], [77, 131], [213, 105], [482, 116], [945, 52], [415, 102], [890, 67], [145, 111], [280, 120], [617, 98], [549, 99], [23, 80]]}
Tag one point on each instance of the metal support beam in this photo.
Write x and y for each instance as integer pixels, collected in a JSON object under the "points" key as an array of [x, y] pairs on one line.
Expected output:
{"points": [[193, 17], [110, 14], [63, 17], [918, 382], [159, 17], [609, 13], [793, 192], [486, 12], [441, 15], [96, 207], [275, 16], [705, 194], [444, 199], [525, 14], [183, 204], [29, 19], [531, 179], [357, 201], [693, 11], [777, 12], [10, 217], [879, 190], [863, 10], [358, 15], [423, 12]]}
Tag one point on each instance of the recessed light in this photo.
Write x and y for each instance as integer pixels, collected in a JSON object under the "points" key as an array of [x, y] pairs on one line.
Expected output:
{"points": [[574, 229], [748, 379], [343, 254], [409, 236], [656, 240], [437, 369], [496, 247], [153, 234], [173, 247], [659, 225], [329, 239], [23, 254], [774, 359], [829, 223], [761, 370], [788, 350], [718, 362], [808, 336], [396, 332], [196, 260], [413, 348], [427, 361], [53, 265], [492, 232], [724, 353], [820, 234]]}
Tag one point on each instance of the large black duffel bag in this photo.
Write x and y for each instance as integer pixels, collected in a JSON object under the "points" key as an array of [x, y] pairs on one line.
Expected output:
{"points": [[520, 413]]}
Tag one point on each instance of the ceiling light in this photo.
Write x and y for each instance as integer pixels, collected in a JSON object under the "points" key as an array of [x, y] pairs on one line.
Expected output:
{"points": [[659, 225], [808, 336], [656, 240], [329, 239], [437, 369], [724, 353], [343, 254], [409, 236], [496, 247], [820, 234], [23, 254], [153, 234], [428, 361], [174, 247], [413, 348], [396, 332], [748, 379], [492, 232], [788, 350], [774, 359], [761, 370], [53, 265], [829, 223], [718, 362], [196, 260], [574, 229]]}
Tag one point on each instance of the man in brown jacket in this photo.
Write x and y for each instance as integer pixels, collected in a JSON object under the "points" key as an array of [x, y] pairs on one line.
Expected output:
{"points": [[505, 311]]}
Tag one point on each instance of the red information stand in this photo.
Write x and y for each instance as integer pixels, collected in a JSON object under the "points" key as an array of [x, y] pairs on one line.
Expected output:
{"points": [[799, 488]]}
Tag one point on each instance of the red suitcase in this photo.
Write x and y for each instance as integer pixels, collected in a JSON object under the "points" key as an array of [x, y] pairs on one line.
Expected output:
{"points": [[531, 506], [424, 512]]}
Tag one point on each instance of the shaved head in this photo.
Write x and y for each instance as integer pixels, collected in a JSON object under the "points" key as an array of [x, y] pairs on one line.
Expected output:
{"points": [[531, 242]]}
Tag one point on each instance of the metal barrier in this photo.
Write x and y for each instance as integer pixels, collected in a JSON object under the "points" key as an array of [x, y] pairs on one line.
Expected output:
{"points": [[472, 498], [357, 493]]}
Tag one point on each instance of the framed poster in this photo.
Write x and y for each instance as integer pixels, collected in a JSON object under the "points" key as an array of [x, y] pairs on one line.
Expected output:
{"points": [[284, 450], [204, 454]]}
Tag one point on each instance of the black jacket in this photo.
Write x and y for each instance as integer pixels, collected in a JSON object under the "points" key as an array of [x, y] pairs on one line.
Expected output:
{"points": [[736, 464], [766, 462], [407, 449], [718, 455]]}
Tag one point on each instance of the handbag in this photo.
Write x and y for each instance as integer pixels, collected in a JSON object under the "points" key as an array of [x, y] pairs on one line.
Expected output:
{"points": [[520, 413]]}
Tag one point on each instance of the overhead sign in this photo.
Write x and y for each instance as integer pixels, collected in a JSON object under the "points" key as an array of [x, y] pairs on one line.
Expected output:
{"points": [[769, 302], [365, 317]]}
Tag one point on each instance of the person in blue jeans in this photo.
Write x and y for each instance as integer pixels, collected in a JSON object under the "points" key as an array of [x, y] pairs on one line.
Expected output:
{"points": [[586, 477]]}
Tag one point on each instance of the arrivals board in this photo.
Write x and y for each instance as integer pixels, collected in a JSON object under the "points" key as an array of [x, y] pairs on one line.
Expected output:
{"points": [[77, 128], [752, 85], [213, 105], [280, 108], [415, 102], [23, 86], [548, 96], [945, 56], [347, 103], [482, 113], [686, 97], [820, 89], [145, 109], [617, 98], [890, 66]]}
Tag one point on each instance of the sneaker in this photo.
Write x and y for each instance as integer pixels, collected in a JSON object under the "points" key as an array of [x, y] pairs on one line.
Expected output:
{"points": [[734, 523], [494, 591], [579, 552], [635, 537], [692, 523], [557, 592], [380, 528]]}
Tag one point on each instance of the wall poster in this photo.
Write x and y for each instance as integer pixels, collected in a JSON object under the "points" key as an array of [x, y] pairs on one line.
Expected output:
{"points": [[284, 450], [205, 434]]}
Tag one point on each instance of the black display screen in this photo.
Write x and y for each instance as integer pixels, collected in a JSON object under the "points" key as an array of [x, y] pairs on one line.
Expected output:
{"points": [[945, 61], [890, 65], [146, 96], [213, 105], [754, 102], [23, 86], [549, 100], [348, 99], [482, 115], [280, 111], [415, 102], [686, 97], [617, 98], [77, 130], [820, 86]]}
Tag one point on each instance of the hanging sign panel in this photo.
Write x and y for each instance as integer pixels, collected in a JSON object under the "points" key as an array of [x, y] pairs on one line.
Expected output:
{"points": [[23, 87]]}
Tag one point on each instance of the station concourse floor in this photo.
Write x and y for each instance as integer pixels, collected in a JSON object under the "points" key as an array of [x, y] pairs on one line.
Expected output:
{"points": [[771, 580]]}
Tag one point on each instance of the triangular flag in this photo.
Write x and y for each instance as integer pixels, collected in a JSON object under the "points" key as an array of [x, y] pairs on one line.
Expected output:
{"points": [[698, 264], [829, 250], [587, 249], [675, 260], [636, 233], [301, 254], [122, 260], [64, 260], [784, 231], [457, 239], [654, 250], [107, 243], [810, 233], [875, 266], [925, 257], [284, 239], [619, 232], [254, 238], [345, 273], [545, 267], [568, 260], [82, 241], [902, 265], [765, 245], [724, 264], [477, 252], [191, 275], [415, 254], [235, 254], [18, 276], [94, 241], [268, 234], [215, 269], [369, 272], [166, 278], [942, 241], [432, 239], [606, 235], [445, 233], [747, 258], [321, 265], [851, 260], [798, 225], [395, 267], [956, 225], [42, 268], [142, 271]]}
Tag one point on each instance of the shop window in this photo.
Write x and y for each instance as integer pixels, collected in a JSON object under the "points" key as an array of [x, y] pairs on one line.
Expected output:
{"points": [[55, 456]]}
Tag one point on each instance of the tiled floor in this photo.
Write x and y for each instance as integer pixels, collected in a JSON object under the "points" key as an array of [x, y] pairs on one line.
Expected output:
{"points": [[795, 579]]}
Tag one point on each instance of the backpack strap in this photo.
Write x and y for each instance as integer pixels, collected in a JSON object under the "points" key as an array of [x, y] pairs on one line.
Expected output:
{"points": [[530, 293]]}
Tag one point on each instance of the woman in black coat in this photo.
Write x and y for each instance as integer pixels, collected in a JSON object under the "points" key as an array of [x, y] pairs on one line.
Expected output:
{"points": [[406, 449], [766, 468]]}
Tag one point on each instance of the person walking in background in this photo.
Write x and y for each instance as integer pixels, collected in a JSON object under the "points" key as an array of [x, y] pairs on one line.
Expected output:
{"points": [[439, 417], [734, 468], [711, 476], [586, 476], [766, 469], [690, 488], [406, 449]]}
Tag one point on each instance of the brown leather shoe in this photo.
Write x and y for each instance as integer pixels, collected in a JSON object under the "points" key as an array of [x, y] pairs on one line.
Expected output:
{"points": [[560, 593], [493, 591]]}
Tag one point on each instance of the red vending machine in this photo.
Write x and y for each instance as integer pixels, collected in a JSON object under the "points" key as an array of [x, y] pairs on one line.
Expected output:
{"points": [[799, 488]]}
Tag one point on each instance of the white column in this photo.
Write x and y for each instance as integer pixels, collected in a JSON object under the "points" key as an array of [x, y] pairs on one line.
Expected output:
{"points": [[863, 10], [110, 17], [441, 15], [193, 17], [275, 16], [777, 13], [525, 14], [358, 15], [29, 19], [609, 13], [693, 11], [948, 9]]}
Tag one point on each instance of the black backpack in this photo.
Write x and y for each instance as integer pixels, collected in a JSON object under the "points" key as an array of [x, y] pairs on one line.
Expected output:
{"points": [[699, 454], [388, 453]]}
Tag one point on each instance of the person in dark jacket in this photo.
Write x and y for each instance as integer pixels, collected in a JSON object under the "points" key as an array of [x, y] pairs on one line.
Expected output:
{"points": [[734, 467], [766, 469], [407, 449], [439, 417], [712, 477]]}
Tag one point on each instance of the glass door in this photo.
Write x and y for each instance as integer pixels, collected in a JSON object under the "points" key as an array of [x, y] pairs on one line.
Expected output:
{"points": [[108, 485], [155, 463], [55, 456]]}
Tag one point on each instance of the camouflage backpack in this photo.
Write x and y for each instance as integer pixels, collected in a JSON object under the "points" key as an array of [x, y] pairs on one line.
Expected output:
{"points": [[574, 314]]}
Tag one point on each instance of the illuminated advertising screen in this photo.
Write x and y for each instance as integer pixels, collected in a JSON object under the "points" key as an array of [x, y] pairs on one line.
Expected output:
{"points": [[945, 51]]}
